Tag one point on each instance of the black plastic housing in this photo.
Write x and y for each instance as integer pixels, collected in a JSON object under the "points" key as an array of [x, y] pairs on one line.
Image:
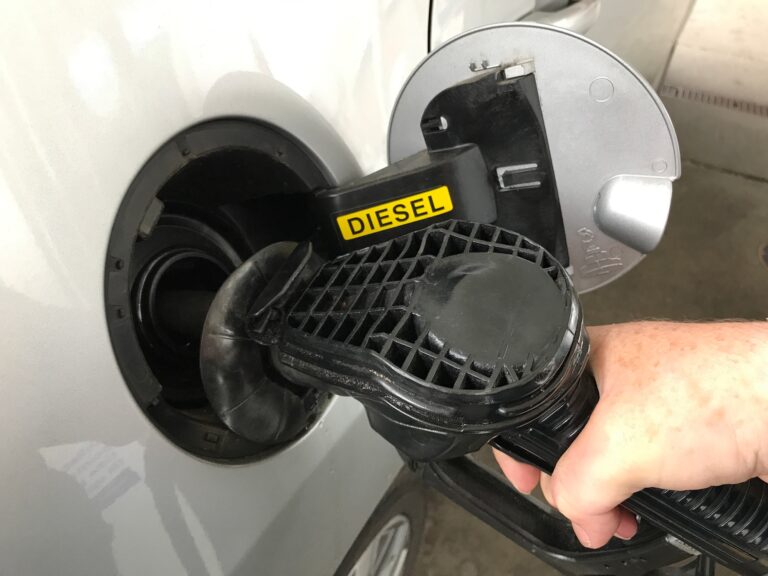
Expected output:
{"points": [[486, 148], [190, 217], [502, 117], [460, 169]]}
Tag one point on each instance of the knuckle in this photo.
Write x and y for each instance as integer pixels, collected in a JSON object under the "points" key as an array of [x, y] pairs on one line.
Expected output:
{"points": [[562, 494]]}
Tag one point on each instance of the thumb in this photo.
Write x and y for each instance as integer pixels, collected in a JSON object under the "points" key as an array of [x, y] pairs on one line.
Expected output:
{"points": [[589, 483]]}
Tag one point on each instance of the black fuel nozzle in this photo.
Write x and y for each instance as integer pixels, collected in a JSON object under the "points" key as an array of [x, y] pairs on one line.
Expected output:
{"points": [[461, 334], [450, 336]]}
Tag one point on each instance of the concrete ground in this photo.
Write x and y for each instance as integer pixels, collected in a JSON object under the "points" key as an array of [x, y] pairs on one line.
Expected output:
{"points": [[709, 264]]}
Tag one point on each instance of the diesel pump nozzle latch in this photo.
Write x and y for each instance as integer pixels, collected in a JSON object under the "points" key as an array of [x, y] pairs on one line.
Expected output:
{"points": [[458, 335]]}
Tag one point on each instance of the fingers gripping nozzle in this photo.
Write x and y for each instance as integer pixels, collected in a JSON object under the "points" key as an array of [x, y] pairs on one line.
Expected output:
{"points": [[452, 336]]}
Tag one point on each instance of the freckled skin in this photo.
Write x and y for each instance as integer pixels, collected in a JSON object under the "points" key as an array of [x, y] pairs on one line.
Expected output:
{"points": [[682, 406]]}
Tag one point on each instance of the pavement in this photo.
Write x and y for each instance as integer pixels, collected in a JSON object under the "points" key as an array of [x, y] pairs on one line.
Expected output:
{"points": [[710, 263]]}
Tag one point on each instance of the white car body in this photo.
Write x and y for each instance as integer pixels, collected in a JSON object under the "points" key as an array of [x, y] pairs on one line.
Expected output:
{"points": [[88, 91]]}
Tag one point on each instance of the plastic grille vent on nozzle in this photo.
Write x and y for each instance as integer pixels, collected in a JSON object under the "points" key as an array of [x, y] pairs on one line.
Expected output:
{"points": [[461, 334], [409, 300]]}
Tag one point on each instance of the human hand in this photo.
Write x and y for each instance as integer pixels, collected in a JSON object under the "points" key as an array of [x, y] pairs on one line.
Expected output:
{"points": [[682, 406]]}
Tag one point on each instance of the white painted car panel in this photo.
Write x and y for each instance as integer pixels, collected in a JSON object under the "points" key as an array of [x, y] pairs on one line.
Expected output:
{"points": [[452, 17], [88, 91]]}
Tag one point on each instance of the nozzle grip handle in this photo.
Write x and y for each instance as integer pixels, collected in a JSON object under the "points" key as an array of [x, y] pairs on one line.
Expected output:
{"points": [[729, 523], [543, 442]]}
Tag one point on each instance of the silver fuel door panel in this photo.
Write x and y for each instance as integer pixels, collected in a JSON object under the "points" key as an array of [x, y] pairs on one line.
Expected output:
{"points": [[613, 147]]}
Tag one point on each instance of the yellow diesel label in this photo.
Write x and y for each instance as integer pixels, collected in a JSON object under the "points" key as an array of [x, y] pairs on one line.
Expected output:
{"points": [[395, 213]]}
